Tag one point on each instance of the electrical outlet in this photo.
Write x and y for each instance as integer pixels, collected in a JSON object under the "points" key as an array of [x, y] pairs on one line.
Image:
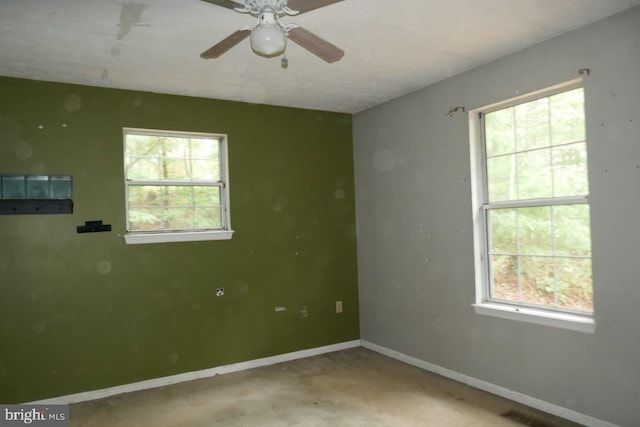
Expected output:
{"points": [[338, 306], [219, 292]]}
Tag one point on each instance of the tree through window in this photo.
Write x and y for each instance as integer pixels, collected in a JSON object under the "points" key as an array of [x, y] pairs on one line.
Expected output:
{"points": [[535, 209], [175, 182]]}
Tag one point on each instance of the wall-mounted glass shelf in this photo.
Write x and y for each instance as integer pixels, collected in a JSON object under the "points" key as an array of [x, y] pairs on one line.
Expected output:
{"points": [[36, 194]]}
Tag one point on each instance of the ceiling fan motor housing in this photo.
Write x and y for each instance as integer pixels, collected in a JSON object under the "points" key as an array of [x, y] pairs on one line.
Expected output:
{"points": [[256, 7]]}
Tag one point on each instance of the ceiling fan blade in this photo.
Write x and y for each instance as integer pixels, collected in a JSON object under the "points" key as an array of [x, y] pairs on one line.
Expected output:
{"points": [[306, 5], [227, 3], [225, 44], [314, 44]]}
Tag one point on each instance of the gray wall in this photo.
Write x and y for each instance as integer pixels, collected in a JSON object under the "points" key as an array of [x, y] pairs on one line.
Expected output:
{"points": [[415, 247]]}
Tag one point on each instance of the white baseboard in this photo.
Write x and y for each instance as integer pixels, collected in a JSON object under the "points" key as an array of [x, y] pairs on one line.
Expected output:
{"points": [[541, 405], [195, 375]]}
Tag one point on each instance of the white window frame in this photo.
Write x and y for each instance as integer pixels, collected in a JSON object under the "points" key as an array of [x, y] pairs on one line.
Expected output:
{"points": [[483, 305], [156, 236]]}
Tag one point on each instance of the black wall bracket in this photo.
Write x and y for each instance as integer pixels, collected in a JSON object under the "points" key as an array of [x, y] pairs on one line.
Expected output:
{"points": [[93, 227]]}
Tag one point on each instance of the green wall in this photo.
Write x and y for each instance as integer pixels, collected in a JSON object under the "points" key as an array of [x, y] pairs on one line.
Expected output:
{"points": [[82, 312]]}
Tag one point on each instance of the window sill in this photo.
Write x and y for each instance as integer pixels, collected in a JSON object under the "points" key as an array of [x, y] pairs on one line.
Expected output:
{"points": [[574, 322], [183, 236]]}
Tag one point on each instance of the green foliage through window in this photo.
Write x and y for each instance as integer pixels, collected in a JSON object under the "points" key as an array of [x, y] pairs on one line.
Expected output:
{"points": [[540, 245], [537, 149], [173, 182]]}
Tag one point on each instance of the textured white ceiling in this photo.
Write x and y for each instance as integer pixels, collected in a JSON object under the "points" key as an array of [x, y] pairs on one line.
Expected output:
{"points": [[391, 47]]}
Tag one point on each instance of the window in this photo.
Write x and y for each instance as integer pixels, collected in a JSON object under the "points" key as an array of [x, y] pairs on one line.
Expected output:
{"points": [[176, 186], [532, 223]]}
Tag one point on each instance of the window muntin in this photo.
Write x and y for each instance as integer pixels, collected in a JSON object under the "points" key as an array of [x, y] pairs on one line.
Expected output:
{"points": [[175, 182], [535, 207]]}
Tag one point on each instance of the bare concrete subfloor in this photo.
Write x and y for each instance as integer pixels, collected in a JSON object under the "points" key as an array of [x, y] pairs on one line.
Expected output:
{"points": [[355, 387]]}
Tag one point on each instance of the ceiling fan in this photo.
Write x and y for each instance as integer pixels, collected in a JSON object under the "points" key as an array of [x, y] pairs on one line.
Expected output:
{"points": [[269, 36]]}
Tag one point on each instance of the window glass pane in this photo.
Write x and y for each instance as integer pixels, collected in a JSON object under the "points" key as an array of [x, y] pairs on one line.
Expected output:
{"points": [[532, 124], [499, 132], [548, 239], [567, 117], [205, 149], [537, 280], [574, 284], [208, 217], [175, 147], [504, 278], [205, 170], [501, 174], [206, 196], [179, 169], [570, 170], [177, 196], [177, 218], [175, 158], [141, 196], [186, 169], [142, 145], [534, 174], [502, 230], [571, 230], [145, 219], [534, 231], [142, 168], [173, 207]]}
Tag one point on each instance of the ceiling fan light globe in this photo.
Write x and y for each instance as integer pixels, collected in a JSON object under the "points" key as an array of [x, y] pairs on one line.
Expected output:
{"points": [[268, 40]]}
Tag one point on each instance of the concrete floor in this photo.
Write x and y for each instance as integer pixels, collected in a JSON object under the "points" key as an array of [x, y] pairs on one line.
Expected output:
{"points": [[355, 387]]}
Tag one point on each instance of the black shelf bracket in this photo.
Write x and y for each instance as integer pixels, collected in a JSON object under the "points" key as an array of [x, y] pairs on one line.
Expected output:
{"points": [[93, 227]]}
